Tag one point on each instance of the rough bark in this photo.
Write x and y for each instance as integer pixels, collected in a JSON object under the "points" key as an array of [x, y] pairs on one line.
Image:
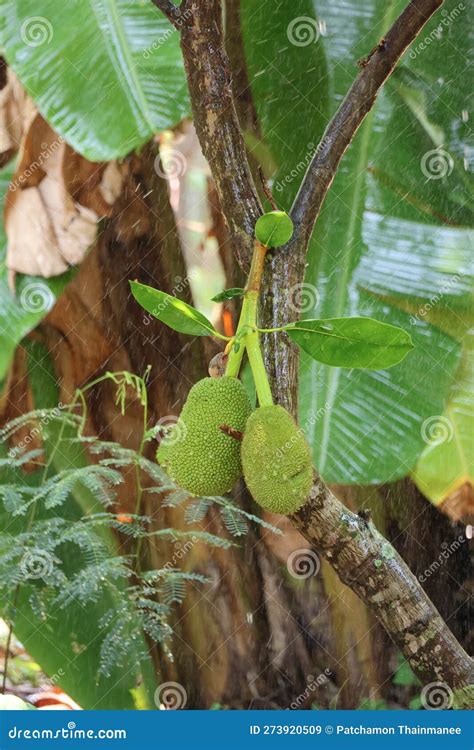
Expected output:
{"points": [[216, 120], [367, 562], [358, 552]]}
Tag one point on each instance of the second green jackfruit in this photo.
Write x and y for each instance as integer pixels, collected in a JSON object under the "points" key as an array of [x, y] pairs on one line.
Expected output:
{"points": [[197, 455], [276, 460]]}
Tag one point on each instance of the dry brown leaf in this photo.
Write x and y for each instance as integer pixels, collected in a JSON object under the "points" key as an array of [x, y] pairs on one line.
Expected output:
{"points": [[16, 113], [54, 201], [459, 506]]}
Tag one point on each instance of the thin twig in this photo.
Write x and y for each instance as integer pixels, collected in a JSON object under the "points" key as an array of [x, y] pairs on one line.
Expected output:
{"points": [[266, 189], [375, 69]]}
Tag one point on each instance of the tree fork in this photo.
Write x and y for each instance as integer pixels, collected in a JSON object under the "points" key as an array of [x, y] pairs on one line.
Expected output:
{"points": [[362, 557]]}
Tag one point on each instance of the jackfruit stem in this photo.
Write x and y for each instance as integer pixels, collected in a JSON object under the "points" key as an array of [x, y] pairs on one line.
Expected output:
{"points": [[250, 340]]}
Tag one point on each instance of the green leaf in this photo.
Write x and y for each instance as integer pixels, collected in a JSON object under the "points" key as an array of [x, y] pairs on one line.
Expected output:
{"points": [[274, 229], [21, 311], [447, 462], [106, 74], [175, 313], [391, 238], [228, 294], [351, 342]]}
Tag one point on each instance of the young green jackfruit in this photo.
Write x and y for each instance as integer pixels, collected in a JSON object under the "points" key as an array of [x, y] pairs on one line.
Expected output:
{"points": [[197, 455], [276, 460]]}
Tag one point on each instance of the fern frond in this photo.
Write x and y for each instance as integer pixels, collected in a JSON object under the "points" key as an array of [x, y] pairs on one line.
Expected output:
{"points": [[233, 521], [89, 584], [17, 457], [98, 479], [119, 647], [38, 415], [16, 499], [195, 536], [175, 498], [196, 511]]}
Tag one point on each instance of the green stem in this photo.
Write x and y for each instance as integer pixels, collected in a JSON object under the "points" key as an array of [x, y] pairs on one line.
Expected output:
{"points": [[247, 334], [258, 369]]}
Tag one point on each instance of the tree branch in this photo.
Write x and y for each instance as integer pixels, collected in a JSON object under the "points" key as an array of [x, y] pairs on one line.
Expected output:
{"points": [[170, 10], [364, 560], [216, 121], [375, 69], [286, 270], [367, 563]]}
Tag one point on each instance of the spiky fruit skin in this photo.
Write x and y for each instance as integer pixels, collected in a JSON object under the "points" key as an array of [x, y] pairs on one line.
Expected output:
{"points": [[276, 460], [196, 454]]}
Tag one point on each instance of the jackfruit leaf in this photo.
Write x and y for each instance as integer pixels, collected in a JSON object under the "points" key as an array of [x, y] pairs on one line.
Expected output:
{"points": [[228, 294], [393, 227], [447, 462], [106, 75], [34, 296], [175, 313], [351, 342]]}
